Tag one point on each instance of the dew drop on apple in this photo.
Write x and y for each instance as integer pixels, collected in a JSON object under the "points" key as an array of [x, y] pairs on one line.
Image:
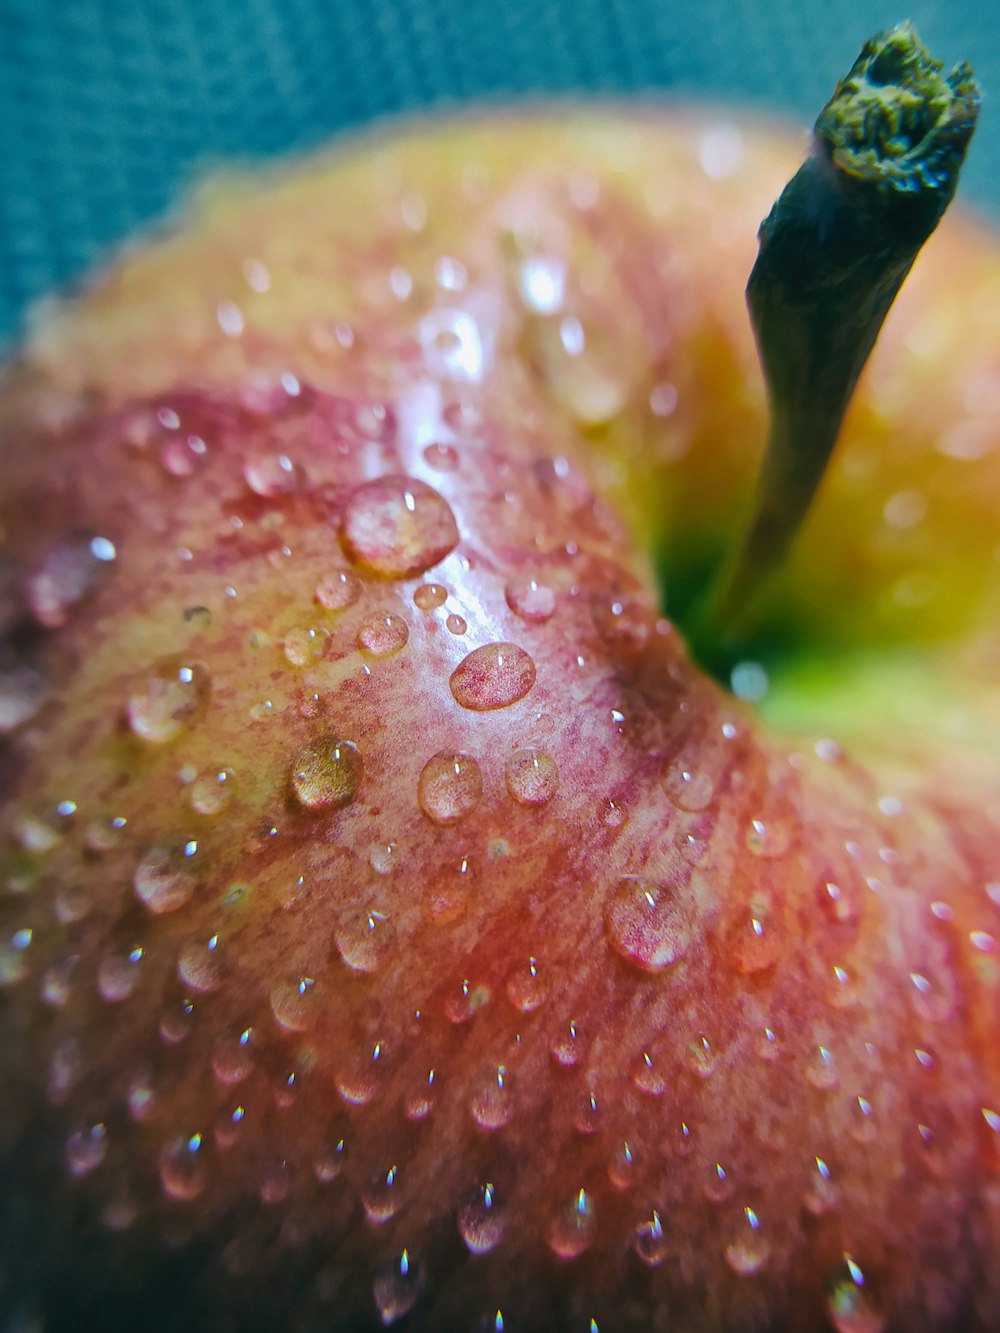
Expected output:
{"points": [[718, 1184], [588, 1113], [57, 982], [212, 791], [67, 574], [183, 1170], [687, 787], [649, 1241], [700, 1058], [327, 774], [202, 964], [429, 596], [748, 1249], [527, 988], [233, 1057], [457, 625], [396, 1288], [177, 1021], [359, 1078], [452, 344], [305, 646], [295, 1003], [383, 634], [839, 906], [613, 814], [182, 455], [481, 1220], [118, 975], [418, 1102], [532, 777], [450, 787], [649, 1075], [821, 1069], [22, 693], [272, 475], [170, 700], [448, 893], [530, 599], [769, 838], [851, 1305], [493, 676], [328, 1165], [647, 923], [567, 1046], [622, 1169], [86, 1150], [491, 1104], [164, 878], [585, 369], [396, 527], [573, 1226], [338, 591], [382, 1196], [366, 940], [766, 1044], [441, 457]]}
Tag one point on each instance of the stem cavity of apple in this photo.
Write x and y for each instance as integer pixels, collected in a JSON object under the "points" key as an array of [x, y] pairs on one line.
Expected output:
{"points": [[833, 253]]}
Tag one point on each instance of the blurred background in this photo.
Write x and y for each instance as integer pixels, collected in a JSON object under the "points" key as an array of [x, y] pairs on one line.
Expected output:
{"points": [[109, 109]]}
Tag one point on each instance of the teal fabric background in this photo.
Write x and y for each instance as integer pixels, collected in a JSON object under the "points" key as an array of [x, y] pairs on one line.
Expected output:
{"points": [[109, 108]]}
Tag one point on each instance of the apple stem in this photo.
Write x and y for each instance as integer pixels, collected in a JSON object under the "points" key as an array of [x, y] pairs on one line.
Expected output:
{"points": [[833, 253]]}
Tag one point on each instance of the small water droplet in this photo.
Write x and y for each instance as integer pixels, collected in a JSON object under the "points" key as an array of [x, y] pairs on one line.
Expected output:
{"points": [[118, 975], [396, 1288], [330, 1162], [492, 1102], [647, 923], [176, 1022], [429, 596], [201, 964], [613, 814], [541, 284], [457, 625], [821, 1071], [769, 838], [171, 699], [295, 1003], [649, 1241], [481, 1220], [441, 457], [530, 599], [22, 693], [383, 634], [587, 1114], [338, 591], [418, 1103], [305, 646], [450, 787], [568, 1047], [86, 1150], [688, 787], [182, 455], [622, 1168], [396, 527], [532, 777], [212, 791], [701, 1058], [851, 1304], [452, 344], [381, 1196], [649, 1075], [527, 988], [748, 1250], [272, 475], [573, 1226], [448, 895], [493, 676], [366, 940], [838, 905], [821, 1194], [164, 879], [360, 1079], [67, 574], [326, 775], [183, 1170]]}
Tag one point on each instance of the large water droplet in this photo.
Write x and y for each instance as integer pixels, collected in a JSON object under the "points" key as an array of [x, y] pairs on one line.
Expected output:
{"points": [[647, 923], [173, 697], [383, 634], [396, 527], [494, 676], [450, 787], [396, 1288], [68, 573], [573, 1226], [164, 879], [326, 775], [492, 1102], [481, 1220], [532, 777]]}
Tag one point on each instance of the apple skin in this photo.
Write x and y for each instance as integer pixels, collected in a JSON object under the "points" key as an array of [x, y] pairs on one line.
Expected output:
{"points": [[352, 493]]}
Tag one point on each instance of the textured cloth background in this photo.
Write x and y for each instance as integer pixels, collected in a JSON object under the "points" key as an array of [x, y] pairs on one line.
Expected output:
{"points": [[108, 108]]}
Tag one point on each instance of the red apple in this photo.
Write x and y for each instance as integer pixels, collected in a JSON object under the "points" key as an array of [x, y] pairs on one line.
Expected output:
{"points": [[397, 925]]}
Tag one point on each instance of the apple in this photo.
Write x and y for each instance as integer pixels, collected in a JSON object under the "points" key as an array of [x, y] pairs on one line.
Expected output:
{"points": [[400, 926]]}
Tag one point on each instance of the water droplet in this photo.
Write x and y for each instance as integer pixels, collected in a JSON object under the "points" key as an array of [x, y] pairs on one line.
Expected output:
{"points": [[171, 699], [201, 964], [176, 1022], [86, 1150], [104, 835], [232, 1059], [613, 814], [164, 879], [447, 896], [396, 527], [851, 1305], [756, 946], [182, 455], [68, 573], [584, 368], [118, 975], [527, 988], [183, 1171], [457, 625], [492, 1103], [366, 941], [481, 1220], [821, 1194], [305, 646], [568, 1047], [769, 839], [441, 457], [837, 905], [450, 787], [330, 1162], [396, 1288], [701, 1058], [22, 693], [532, 777], [821, 1071], [650, 1242], [381, 1196], [622, 1166], [452, 344], [767, 1044], [541, 284], [338, 590], [493, 676], [272, 475], [429, 596], [647, 923], [748, 1250], [530, 600], [383, 634], [326, 776], [212, 791], [688, 787], [573, 1226], [295, 1003], [360, 1078], [587, 1114], [418, 1103], [649, 1075]]}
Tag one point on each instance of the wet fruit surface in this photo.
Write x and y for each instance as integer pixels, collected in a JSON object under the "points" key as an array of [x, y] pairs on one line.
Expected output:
{"points": [[396, 926]]}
